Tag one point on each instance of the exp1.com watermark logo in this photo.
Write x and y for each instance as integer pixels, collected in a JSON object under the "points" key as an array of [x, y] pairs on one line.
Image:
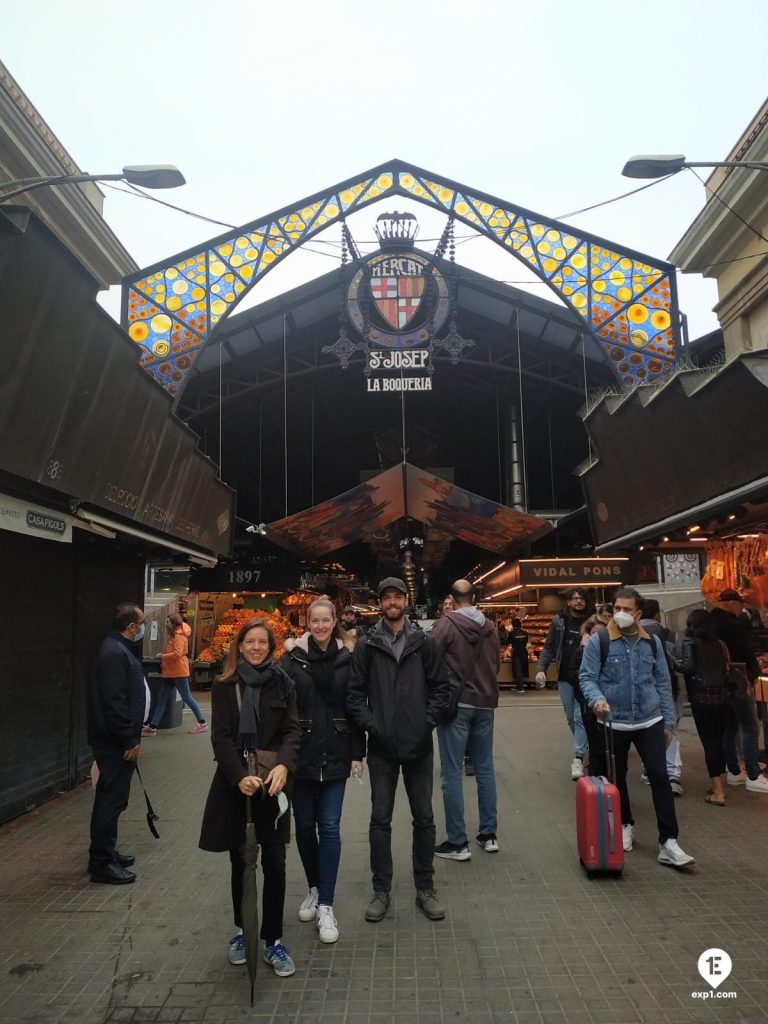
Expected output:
{"points": [[714, 966]]}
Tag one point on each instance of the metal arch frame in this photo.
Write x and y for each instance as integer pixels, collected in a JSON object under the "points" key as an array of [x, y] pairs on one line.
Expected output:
{"points": [[172, 308]]}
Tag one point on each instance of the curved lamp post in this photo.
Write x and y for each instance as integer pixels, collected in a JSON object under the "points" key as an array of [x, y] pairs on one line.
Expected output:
{"points": [[660, 166], [146, 175]]}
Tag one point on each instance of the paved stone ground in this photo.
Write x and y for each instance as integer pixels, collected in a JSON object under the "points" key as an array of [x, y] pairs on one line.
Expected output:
{"points": [[528, 938]]}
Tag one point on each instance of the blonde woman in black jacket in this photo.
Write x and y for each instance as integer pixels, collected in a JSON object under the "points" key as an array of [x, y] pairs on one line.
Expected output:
{"points": [[332, 749]]}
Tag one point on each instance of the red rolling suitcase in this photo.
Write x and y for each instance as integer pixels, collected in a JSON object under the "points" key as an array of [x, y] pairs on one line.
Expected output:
{"points": [[598, 818]]}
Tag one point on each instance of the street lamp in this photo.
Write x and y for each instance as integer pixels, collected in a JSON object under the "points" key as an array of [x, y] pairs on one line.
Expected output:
{"points": [[660, 166], [146, 175]]}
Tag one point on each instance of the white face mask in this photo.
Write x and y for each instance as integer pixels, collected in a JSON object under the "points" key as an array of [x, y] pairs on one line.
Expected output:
{"points": [[623, 619]]}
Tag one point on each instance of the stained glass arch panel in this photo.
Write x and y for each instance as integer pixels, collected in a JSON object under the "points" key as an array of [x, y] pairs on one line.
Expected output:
{"points": [[626, 300]]}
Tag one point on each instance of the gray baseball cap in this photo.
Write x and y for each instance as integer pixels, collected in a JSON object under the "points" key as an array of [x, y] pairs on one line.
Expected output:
{"points": [[392, 583]]}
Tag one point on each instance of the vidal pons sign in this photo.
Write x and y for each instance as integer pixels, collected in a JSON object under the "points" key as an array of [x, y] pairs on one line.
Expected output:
{"points": [[398, 300]]}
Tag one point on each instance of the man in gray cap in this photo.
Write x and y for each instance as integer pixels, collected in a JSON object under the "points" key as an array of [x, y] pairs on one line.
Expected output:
{"points": [[397, 692]]}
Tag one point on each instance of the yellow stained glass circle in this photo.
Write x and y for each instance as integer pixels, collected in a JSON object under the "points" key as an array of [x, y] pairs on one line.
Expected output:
{"points": [[171, 273], [180, 287], [553, 236], [660, 319], [549, 264], [462, 208], [537, 230], [580, 300], [161, 348], [138, 332], [217, 267], [543, 247], [218, 306], [225, 250], [197, 294], [161, 323], [616, 278], [598, 286], [174, 303], [579, 261], [623, 294], [638, 338], [637, 314]]}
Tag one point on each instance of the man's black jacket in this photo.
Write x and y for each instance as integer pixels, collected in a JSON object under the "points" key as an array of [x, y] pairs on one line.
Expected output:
{"points": [[116, 696], [397, 702]]}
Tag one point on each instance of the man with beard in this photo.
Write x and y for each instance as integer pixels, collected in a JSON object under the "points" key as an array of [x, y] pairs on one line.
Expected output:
{"points": [[398, 690], [560, 646]]}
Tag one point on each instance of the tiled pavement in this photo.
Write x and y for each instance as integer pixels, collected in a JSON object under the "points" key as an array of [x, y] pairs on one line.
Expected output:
{"points": [[528, 938]]}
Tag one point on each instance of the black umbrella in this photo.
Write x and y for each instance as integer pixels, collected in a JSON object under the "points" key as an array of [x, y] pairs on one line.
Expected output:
{"points": [[249, 907], [151, 816]]}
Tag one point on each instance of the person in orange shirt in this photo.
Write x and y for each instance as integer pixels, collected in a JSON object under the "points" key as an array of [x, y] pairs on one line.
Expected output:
{"points": [[175, 673]]}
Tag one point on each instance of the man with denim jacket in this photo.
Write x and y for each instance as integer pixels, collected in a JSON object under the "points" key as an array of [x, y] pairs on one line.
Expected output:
{"points": [[630, 682]]}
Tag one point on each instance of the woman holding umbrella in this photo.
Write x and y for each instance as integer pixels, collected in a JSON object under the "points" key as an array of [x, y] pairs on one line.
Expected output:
{"points": [[253, 706], [332, 749]]}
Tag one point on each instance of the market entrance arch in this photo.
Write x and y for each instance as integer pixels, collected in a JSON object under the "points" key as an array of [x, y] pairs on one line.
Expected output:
{"points": [[626, 300]]}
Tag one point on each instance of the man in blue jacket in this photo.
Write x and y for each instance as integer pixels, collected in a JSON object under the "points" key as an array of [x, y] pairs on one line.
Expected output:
{"points": [[116, 707], [628, 680]]}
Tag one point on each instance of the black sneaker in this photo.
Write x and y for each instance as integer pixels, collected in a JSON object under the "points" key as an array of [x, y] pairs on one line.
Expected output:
{"points": [[453, 851], [488, 842]]}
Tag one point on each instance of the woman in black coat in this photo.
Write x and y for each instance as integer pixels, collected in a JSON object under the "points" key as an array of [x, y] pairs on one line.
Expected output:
{"points": [[332, 748], [704, 664], [253, 705]]}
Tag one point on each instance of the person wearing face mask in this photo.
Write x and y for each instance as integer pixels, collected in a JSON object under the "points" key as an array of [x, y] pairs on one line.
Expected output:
{"points": [[332, 749], [624, 675], [116, 709], [253, 708], [560, 647]]}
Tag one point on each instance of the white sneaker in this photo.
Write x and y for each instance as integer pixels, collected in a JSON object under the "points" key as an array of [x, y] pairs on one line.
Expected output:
{"points": [[644, 778], [327, 925], [736, 780], [308, 909], [627, 837], [577, 768], [670, 853], [676, 787], [758, 785]]}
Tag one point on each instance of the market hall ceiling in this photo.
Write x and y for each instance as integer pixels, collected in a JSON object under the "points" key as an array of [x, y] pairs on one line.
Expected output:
{"points": [[406, 492], [627, 301]]}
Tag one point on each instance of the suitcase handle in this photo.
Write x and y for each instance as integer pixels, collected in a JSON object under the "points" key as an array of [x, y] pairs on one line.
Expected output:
{"points": [[610, 756]]}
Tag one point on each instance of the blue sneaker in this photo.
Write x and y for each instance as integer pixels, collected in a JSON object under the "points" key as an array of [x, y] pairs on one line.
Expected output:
{"points": [[237, 950], [279, 959]]}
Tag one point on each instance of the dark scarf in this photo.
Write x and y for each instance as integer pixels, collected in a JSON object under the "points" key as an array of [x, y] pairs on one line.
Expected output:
{"points": [[253, 677], [322, 666]]}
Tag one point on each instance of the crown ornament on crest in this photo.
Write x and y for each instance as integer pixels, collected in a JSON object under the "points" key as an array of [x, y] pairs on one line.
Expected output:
{"points": [[396, 230]]}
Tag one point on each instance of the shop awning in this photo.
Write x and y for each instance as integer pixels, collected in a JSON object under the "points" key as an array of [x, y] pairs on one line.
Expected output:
{"points": [[81, 423], [405, 491], [689, 451]]}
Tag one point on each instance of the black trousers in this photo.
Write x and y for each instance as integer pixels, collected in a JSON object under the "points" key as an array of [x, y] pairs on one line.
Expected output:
{"points": [[651, 745], [273, 894], [417, 777], [109, 802], [711, 720]]}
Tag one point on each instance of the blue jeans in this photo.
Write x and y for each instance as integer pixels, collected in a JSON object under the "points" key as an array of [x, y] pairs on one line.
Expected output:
{"points": [[470, 730], [573, 717], [182, 685], [317, 812], [743, 715]]}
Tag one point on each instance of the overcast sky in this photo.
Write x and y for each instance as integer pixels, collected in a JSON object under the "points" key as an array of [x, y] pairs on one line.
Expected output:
{"points": [[262, 103]]}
